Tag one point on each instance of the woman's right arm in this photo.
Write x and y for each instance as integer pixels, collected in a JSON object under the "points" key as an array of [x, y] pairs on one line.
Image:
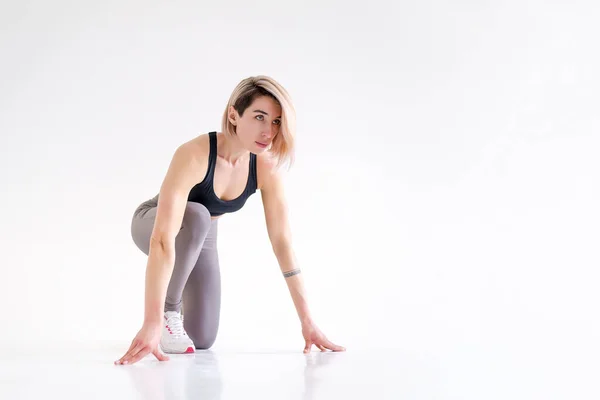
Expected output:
{"points": [[182, 174], [172, 201]]}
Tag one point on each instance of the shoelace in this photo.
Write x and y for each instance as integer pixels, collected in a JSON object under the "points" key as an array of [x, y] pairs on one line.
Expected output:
{"points": [[175, 324]]}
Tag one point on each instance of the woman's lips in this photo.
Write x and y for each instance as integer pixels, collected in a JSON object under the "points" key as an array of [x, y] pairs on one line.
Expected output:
{"points": [[261, 144]]}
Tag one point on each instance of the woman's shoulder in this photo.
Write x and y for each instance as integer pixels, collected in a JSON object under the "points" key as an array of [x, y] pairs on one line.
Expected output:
{"points": [[194, 152], [265, 161], [198, 146], [266, 169], [191, 157]]}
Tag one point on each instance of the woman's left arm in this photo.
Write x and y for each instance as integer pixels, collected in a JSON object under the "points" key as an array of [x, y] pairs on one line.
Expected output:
{"points": [[278, 228]]}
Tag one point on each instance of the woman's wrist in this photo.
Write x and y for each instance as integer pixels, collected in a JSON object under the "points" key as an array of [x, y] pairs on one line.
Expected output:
{"points": [[155, 320]]}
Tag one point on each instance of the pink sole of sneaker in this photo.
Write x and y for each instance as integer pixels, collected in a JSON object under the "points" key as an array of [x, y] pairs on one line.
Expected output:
{"points": [[190, 350]]}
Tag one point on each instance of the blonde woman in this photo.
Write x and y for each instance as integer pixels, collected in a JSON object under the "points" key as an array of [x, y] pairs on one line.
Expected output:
{"points": [[211, 175]]}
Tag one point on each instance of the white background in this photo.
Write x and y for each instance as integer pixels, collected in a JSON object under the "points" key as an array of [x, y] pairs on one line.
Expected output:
{"points": [[444, 199]]}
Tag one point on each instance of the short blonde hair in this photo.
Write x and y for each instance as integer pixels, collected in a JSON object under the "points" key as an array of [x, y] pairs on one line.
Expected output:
{"points": [[282, 148]]}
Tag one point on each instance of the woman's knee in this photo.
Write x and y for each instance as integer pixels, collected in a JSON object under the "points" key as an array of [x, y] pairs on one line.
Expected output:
{"points": [[203, 340], [201, 326], [141, 227], [196, 220]]}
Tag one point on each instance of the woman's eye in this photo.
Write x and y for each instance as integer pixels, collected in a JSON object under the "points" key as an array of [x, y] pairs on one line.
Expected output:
{"points": [[277, 122], [259, 116]]}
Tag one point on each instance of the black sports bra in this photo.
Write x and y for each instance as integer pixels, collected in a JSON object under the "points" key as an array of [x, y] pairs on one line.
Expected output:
{"points": [[204, 193]]}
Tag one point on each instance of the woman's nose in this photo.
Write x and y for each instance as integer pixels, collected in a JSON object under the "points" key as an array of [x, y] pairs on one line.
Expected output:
{"points": [[269, 132]]}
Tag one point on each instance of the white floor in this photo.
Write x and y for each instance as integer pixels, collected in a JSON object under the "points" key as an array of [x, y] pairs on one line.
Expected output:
{"points": [[36, 372]]}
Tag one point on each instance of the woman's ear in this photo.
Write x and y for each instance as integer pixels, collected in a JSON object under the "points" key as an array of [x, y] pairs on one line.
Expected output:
{"points": [[232, 116]]}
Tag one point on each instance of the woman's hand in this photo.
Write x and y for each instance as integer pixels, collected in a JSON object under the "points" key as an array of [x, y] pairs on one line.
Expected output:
{"points": [[146, 341], [313, 335]]}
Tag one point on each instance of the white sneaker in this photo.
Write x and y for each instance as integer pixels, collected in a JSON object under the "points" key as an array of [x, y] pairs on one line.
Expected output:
{"points": [[173, 338]]}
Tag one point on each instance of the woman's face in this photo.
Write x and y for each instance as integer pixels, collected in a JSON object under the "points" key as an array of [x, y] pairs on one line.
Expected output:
{"points": [[259, 125]]}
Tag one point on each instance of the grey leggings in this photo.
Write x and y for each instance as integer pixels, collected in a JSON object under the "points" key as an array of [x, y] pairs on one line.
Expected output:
{"points": [[196, 279]]}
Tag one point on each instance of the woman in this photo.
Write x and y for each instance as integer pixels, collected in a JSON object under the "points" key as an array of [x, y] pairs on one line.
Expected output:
{"points": [[211, 175]]}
